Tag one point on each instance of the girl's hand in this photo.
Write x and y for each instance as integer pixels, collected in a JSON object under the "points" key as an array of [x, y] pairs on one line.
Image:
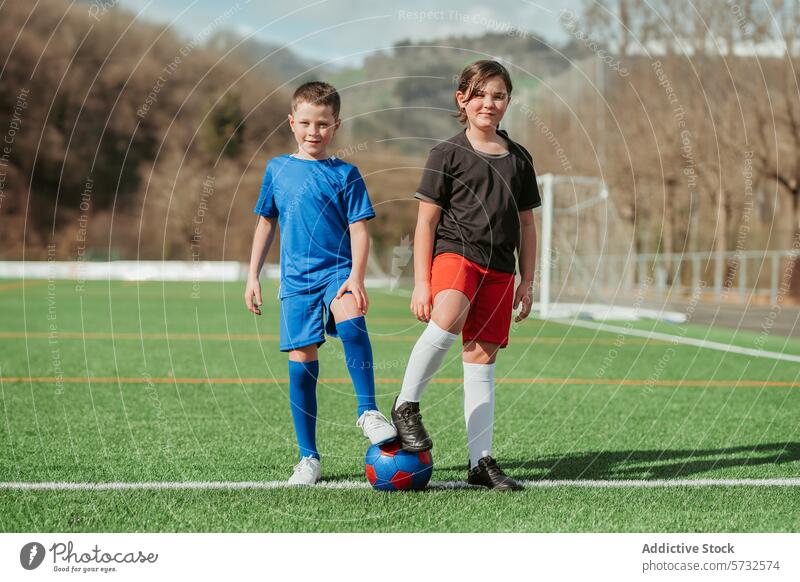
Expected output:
{"points": [[421, 302], [524, 295], [356, 287], [252, 295]]}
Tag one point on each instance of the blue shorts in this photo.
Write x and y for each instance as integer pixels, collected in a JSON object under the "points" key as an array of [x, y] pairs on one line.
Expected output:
{"points": [[307, 317]]}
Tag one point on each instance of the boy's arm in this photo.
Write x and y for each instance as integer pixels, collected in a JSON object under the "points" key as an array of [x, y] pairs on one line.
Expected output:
{"points": [[527, 264], [427, 220], [262, 240], [359, 248]]}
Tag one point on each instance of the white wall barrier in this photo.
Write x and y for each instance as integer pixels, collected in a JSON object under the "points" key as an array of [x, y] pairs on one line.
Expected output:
{"points": [[125, 270], [145, 271]]}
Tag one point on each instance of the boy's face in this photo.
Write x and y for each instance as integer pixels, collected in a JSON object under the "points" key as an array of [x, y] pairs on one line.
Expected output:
{"points": [[313, 127], [487, 105]]}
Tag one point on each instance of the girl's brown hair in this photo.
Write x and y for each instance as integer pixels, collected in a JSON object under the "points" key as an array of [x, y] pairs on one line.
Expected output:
{"points": [[474, 77]]}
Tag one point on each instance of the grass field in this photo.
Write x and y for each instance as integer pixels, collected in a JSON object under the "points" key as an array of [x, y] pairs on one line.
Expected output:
{"points": [[160, 382]]}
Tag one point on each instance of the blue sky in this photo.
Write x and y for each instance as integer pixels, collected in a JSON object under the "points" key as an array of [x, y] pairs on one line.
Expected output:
{"points": [[345, 31]]}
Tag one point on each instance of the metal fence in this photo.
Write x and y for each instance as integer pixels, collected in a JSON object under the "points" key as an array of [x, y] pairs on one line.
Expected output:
{"points": [[735, 275]]}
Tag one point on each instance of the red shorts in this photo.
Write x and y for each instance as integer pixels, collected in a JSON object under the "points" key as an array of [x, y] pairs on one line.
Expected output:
{"points": [[490, 294]]}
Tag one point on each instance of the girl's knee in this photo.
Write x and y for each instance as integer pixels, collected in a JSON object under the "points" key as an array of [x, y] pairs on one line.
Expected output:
{"points": [[450, 310], [478, 352], [449, 324]]}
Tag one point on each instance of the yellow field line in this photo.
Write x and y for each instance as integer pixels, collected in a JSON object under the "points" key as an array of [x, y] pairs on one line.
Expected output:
{"points": [[272, 337], [570, 381], [18, 284]]}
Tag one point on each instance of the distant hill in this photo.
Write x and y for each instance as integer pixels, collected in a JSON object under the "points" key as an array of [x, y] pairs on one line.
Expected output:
{"points": [[274, 60], [406, 94]]}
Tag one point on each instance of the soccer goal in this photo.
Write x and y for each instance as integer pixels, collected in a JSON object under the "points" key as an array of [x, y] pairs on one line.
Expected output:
{"points": [[587, 261]]}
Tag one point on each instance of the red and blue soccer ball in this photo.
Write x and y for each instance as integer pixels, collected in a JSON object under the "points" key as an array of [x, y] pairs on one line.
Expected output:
{"points": [[390, 468]]}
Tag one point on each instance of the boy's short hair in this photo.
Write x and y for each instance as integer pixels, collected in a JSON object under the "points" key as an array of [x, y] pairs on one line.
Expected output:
{"points": [[317, 93], [474, 77]]}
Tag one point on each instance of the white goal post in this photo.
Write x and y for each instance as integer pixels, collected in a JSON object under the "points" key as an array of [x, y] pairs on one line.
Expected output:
{"points": [[547, 184]]}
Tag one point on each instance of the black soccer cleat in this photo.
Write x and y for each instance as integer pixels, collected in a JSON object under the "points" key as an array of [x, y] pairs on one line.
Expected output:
{"points": [[489, 474], [410, 430]]}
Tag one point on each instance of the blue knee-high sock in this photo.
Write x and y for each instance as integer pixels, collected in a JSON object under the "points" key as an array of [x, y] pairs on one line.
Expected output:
{"points": [[358, 356], [303, 400]]}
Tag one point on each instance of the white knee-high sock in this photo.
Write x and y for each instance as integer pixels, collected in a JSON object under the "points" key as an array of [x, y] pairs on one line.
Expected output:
{"points": [[479, 409], [425, 360]]}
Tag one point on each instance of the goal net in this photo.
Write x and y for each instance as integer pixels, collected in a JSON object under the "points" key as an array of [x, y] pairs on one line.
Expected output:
{"points": [[586, 266]]}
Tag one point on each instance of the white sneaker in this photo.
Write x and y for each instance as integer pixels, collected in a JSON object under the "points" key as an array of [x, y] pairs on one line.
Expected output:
{"points": [[376, 428], [307, 472]]}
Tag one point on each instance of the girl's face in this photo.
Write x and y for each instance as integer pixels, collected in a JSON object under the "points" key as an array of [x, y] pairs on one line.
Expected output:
{"points": [[487, 105]]}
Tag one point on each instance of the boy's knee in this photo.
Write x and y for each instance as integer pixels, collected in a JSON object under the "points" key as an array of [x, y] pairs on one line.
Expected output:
{"points": [[304, 354], [345, 308]]}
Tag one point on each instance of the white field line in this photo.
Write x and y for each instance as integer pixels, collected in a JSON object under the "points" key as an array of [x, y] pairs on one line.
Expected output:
{"points": [[676, 339], [228, 485]]}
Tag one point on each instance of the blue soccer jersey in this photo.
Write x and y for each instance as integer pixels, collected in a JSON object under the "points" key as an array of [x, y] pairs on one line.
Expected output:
{"points": [[315, 202]]}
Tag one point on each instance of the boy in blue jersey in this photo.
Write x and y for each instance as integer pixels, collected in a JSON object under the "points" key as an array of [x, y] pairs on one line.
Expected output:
{"points": [[322, 206]]}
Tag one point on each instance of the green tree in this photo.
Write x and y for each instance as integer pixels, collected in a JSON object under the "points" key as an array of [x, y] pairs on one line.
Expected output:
{"points": [[223, 130]]}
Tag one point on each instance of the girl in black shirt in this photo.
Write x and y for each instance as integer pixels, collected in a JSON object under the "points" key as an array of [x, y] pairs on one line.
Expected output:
{"points": [[476, 196]]}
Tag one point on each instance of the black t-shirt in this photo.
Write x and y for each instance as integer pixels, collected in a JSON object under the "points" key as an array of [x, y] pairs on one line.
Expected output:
{"points": [[481, 196]]}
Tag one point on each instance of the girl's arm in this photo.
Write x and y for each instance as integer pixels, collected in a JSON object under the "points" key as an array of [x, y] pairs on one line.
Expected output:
{"points": [[527, 264], [359, 248], [262, 240], [427, 220]]}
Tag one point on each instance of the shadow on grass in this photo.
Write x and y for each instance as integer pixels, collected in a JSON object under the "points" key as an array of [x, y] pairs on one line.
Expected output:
{"points": [[645, 464], [650, 464]]}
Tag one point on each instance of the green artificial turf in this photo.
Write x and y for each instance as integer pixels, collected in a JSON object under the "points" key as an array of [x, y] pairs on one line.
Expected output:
{"points": [[186, 385]]}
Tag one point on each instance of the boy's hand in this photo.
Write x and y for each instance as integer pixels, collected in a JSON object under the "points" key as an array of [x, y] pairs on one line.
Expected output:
{"points": [[421, 302], [524, 295], [252, 296], [356, 287]]}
